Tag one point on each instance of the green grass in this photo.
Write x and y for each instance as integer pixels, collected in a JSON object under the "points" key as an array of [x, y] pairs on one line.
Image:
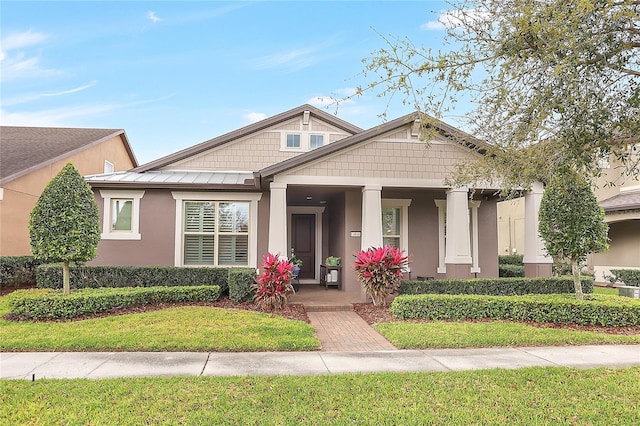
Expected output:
{"points": [[605, 290], [189, 328], [446, 334], [528, 396]]}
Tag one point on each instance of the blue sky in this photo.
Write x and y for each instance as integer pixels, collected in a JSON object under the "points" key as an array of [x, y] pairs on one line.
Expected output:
{"points": [[173, 74]]}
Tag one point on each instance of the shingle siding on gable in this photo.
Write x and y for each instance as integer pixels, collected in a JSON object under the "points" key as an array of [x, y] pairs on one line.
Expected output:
{"points": [[390, 159], [255, 152]]}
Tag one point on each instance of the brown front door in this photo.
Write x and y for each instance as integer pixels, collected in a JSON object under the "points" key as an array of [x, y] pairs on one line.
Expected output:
{"points": [[303, 243]]}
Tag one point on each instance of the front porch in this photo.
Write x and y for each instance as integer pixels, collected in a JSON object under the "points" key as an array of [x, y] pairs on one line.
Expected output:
{"points": [[317, 298]]}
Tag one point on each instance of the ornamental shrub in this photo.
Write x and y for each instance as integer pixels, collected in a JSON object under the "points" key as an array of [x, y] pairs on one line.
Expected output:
{"points": [[17, 270], [379, 271], [511, 259], [627, 276], [241, 282], [53, 305], [274, 283], [508, 270], [604, 310]]}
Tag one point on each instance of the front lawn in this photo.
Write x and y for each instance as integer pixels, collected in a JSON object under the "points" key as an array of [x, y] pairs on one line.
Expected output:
{"points": [[187, 328], [515, 397], [465, 334]]}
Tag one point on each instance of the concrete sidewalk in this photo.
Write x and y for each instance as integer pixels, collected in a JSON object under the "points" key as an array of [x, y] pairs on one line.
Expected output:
{"points": [[96, 365]]}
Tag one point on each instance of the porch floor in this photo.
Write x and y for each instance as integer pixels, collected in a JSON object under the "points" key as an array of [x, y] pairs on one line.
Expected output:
{"points": [[317, 298]]}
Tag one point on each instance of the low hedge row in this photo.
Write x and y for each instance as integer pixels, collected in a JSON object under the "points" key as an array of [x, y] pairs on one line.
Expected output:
{"points": [[507, 270], [511, 259], [627, 276], [241, 281], [496, 287], [83, 276], [17, 270], [564, 309], [53, 305]]}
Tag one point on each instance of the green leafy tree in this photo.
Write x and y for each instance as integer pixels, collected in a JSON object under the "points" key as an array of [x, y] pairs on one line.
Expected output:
{"points": [[65, 225], [553, 84], [572, 223]]}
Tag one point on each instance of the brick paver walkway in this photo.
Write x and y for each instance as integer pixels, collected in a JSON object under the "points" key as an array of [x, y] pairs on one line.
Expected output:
{"points": [[346, 331]]}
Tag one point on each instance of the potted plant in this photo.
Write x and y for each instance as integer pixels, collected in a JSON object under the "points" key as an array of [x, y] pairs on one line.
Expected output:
{"points": [[296, 263], [332, 261]]}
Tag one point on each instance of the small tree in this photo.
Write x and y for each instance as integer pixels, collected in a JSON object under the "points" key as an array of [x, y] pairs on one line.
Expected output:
{"points": [[65, 225], [572, 223]]}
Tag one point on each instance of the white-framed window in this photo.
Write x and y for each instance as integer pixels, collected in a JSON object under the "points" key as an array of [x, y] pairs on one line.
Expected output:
{"points": [[216, 233], [293, 140], [216, 229], [316, 141], [395, 223], [108, 166], [121, 214]]}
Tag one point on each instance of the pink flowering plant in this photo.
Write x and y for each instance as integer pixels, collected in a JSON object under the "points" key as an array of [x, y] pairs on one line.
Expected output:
{"points": [[273, 284], [379, 270]]}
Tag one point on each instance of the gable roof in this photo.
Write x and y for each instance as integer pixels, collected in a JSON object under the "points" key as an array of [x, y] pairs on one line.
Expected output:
{"points": [[444, 129], [623, 201], [25, 149], [247, 130]]}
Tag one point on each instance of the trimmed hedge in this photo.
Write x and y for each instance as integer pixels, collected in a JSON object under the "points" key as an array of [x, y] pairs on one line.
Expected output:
{"points": [[496, 286], [82, 276], [627, 276], [511, 259], [52, 305], [507, 270], [241, 281], [17, 270], [601, 310]]}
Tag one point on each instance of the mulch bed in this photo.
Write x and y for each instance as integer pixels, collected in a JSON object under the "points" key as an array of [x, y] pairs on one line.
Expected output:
{"points": [[376, 314]]}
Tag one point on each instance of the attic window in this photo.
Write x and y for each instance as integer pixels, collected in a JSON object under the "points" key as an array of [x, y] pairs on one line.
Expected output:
{"points": [[108, 167], [293, 140]]}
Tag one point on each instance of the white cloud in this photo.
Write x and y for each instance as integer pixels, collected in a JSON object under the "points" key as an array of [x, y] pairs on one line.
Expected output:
{"points": [[35, 96], [56, 117], [15, 63], [153, 17], [22, 40], [254, 117], [454, 19]]}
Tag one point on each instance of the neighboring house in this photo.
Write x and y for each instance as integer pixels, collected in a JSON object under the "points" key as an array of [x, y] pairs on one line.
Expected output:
{"points": [[307, 183], [621, 203], [31, 156]]}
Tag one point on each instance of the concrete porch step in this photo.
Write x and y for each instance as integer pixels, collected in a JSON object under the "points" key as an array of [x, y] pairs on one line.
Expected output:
{"points": [[316, 307]]}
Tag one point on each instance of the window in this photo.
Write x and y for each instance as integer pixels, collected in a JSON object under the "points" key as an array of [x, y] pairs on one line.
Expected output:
{"points": [[315, 141], [293, 140], [108, 167], [121, 210], [391, 226], [395, 223], [121, 215], [216, 233], [216, 229]]}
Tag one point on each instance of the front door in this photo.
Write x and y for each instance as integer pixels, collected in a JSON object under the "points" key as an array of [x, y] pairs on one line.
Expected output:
{"points": [[303, 243]]}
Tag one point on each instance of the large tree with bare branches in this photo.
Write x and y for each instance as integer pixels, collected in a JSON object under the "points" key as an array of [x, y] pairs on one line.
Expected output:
{"points": [[554, 83]]}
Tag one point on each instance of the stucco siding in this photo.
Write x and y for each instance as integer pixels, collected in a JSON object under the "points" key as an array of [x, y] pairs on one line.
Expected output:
{"points": [[157, 231], [21, 194]]}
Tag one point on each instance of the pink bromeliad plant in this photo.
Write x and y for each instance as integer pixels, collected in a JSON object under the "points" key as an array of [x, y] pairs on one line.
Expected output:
{"points": [[379, 270], [273, 285]]}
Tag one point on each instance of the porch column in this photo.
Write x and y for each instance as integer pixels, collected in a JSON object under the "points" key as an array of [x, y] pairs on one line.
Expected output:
{"points": [[371, 235], [458, 258], [278, 219], [536, 261]]}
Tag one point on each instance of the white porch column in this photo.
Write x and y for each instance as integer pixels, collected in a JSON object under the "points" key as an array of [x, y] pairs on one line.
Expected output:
{"points": [[458, 258], [536, 261], [278, 219], [371, 217]]}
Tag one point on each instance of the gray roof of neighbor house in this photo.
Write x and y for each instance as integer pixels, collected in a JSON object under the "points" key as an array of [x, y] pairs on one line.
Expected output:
{"points": [[247, 130], [622, 201], [26, 149]]}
